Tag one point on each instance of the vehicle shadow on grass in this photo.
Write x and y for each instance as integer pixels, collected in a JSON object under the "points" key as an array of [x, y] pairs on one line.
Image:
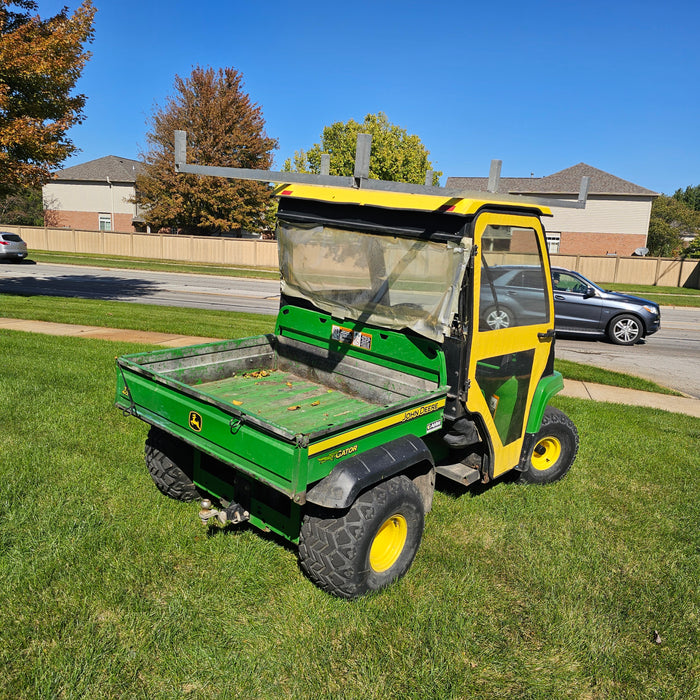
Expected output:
{"points": [[454, 490], [239, 529]]}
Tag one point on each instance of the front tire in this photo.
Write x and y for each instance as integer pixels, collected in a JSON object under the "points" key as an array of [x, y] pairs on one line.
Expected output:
{"points": [[367, 546], [554, 449], [625, 330], [170, 464]]}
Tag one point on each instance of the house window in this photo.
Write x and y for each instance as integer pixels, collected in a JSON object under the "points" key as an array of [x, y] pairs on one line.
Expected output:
{"points": [[105, 222], [553, 241]]}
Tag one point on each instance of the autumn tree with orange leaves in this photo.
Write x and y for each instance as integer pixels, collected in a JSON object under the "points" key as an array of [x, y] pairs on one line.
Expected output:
{"points": [[40, 63], [224, 128]]}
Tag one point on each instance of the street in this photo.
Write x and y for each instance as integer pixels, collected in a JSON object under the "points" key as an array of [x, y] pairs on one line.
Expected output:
{"points": [[142, 286], [671, 357]]}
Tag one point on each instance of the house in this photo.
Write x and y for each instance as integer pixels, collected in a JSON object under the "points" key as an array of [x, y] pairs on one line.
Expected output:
{"points": [[614, 222], [94, 196]]}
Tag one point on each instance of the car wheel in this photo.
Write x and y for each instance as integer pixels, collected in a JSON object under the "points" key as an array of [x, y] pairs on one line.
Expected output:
{"points": [[169, 463], [625, 330], [367, 546], [497, 317], [554, 450]]}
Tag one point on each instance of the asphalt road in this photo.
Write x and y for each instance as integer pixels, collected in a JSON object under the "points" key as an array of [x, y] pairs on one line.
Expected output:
{"points": [[142, 286], [671, 357]]}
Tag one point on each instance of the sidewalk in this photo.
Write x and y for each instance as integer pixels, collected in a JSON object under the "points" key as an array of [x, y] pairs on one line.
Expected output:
{"points": [[574, 389], [127, 336]]}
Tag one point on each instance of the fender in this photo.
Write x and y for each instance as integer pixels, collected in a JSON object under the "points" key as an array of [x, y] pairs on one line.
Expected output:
{"points": [[353, 475], [546, 388]]}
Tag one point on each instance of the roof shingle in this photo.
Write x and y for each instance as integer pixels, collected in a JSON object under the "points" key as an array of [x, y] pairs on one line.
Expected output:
{"points": [[115, 168], [567, 181]]}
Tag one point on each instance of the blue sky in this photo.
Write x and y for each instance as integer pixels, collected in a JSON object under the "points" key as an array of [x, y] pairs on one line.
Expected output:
{"points": [[541, 85]]}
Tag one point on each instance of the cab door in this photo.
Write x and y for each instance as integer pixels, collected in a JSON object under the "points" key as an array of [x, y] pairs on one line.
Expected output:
{"points": [[512, 322]]}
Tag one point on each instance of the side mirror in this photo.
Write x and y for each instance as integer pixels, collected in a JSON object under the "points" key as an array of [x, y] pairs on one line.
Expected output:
{"points": [[590, 292]]}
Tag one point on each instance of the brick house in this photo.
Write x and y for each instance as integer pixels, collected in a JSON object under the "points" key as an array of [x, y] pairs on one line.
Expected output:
{"points": [[94, 196], [614, 222]]}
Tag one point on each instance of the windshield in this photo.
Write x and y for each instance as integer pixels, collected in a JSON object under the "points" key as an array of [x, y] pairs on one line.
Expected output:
{"points": [[384, 281]]}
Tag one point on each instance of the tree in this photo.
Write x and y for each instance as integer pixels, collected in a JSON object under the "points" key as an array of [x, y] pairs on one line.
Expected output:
{"points": [[22, 208], [671, 219], [40, 63], [396, 155], [689, 196], [224, 128]]}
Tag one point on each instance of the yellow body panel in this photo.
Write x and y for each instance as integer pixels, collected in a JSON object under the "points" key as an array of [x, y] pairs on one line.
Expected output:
{"points": [[487, 344], [404, 200]]}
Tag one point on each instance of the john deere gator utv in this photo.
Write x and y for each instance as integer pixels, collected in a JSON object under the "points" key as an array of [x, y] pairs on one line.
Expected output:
{"points": [[388, 365]]}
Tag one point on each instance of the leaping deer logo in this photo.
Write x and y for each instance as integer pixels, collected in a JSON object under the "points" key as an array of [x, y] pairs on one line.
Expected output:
{"points": [[195, 421]]}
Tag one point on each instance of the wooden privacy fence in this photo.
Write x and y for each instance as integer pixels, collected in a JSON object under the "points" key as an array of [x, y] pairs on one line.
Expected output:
{"points": [[241, 252]]}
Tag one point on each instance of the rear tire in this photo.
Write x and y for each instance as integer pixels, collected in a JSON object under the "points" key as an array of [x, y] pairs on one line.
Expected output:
{"points": [[496, 318], [170, 464], [367, 546], [625, 330], [554, 449]]}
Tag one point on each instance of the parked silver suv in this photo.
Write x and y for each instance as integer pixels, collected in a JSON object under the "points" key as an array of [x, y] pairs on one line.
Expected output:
{"points": [[12, 247]]}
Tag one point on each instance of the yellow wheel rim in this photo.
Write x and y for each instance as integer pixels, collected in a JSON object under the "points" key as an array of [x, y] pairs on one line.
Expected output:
{"points": [[388, 543], [547, 451]]}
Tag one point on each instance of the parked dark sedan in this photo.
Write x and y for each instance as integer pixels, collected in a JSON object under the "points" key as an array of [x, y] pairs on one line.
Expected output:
{"points": [[581, 306]]}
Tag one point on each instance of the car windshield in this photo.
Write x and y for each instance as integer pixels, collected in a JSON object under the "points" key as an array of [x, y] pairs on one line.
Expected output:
{"points": [[11, 237], [382, 280]]}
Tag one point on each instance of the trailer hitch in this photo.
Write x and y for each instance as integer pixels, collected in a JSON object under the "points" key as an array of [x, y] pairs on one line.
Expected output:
{"points": [[233, 513]]}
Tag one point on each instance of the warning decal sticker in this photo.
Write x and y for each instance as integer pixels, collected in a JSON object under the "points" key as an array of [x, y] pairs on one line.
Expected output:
{"points": [[350, 337]]}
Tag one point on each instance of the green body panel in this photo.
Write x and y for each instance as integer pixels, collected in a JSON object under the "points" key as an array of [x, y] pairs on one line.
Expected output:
{"points": [[411, 354], [272, 429], [546, 388]]}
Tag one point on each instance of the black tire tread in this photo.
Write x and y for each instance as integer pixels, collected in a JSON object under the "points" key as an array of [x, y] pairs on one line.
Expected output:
{"points": [[169, 463], [555, 421], [331, 541]]}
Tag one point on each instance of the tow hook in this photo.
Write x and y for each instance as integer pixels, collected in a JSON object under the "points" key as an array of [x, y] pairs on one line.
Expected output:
{"points": [[233, 513]]}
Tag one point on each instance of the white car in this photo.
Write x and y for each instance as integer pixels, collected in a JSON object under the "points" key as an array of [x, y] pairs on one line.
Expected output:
{"points": [[12, 247]]}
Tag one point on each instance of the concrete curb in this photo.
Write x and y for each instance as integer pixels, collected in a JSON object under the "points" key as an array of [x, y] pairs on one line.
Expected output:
{"points": [[631, 397]]}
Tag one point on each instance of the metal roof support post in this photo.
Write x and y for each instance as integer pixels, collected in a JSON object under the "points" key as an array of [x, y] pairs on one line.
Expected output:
{"points": [[494, 175], [362, 153], [180, 146], [429, 178], [583, 192], [325, 163]]}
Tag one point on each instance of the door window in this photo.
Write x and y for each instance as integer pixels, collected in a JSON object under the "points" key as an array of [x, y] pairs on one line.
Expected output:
{"points": [[513, 286]]}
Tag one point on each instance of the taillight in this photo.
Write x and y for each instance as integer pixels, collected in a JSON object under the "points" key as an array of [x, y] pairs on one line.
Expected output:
{"points": [[4, 243]]}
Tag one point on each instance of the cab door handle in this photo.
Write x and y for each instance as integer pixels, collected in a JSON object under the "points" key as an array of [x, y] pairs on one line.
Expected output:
{"points": [[546, 337]]}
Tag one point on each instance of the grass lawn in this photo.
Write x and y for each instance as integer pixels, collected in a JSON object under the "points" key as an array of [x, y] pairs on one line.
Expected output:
{"points": [[221, 324], [664, 296], [111, 590], [126, 263]]}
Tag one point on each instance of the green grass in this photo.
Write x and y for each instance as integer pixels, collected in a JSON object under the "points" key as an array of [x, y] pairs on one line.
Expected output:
{"points": [[596, 375], [111, 590], [218, 324], [664, 296], [142, 317], [127, 263]]}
